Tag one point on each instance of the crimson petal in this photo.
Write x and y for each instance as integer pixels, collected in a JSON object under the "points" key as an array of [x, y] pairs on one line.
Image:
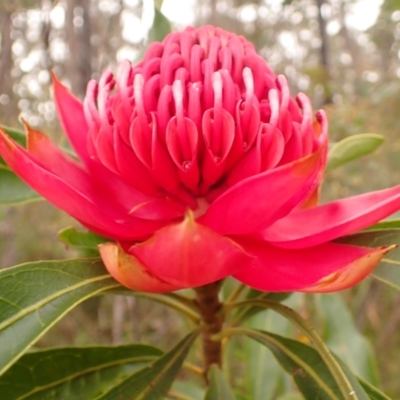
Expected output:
{"points": [[256, 202], [325, 268], [54, 160], [326, 222], [130, 272], [63, 196], [70, 112], [188, 254]]}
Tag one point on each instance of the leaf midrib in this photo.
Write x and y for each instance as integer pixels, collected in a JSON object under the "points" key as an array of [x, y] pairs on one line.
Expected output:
{"points": [[88, 371], [50, 298], [156, 379], [297, 360], [19, 354]]}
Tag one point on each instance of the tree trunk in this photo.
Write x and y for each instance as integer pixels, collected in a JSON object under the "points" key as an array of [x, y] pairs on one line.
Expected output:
{"points": [[353, 49], [6, 53], [324, 52], [79, 67]]}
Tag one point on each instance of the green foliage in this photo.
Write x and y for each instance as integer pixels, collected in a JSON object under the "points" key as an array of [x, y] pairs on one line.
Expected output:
{"points": [[260, 363], [219, 387], [73, 373], [387, 224], [351, 148], [391, 5], [343, 338], [373, 392], [312, 376], [13, 190], [251, 310], [158, 4], [154, 381], [34, 296], [85, 242], [188, 389], [161, 27]]}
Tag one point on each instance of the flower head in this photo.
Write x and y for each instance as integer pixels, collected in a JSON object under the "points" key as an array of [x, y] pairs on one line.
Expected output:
{"points": [[200, 113], [197, 162]]}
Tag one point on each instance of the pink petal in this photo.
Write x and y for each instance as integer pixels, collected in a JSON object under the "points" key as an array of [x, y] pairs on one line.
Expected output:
{"points": [[293, 148], [351, 274], [148, 148], [182, 141], [47, 154], [256, 202], [63, 196], [130, 272], [104, 145], [326, 222], [70, 112], [218, 142], [244, 135], [188, 254], [249, 165], [272, 147], [131, 170], [118, 194], [328, 267]]}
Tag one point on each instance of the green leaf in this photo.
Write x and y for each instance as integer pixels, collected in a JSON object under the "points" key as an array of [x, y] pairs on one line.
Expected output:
{"points": [[73, 373], [34, 296], [246, 312], [161, 27], [306, 367], [81, 240], [242, 397], [291, 396], [373, 392], [219, 388], [13, 190], [388, 224], [388, 271], [154, 381], [191, 389], [260, 362], [352, 148], [256, 294], [343, 338], [158, 4], [370, 391], [89, 240]]}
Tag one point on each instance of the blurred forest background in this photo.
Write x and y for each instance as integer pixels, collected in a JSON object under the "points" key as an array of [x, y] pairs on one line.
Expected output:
{"points": [[344, 54]]}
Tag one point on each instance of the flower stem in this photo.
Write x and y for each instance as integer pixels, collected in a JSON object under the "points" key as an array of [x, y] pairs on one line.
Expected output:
{"points": [[209, 305]]}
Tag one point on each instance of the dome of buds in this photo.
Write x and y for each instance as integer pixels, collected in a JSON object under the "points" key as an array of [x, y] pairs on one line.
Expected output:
{"points": [[201, 112]]}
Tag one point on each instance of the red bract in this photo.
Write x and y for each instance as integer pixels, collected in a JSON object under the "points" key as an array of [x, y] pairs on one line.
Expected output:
{"points": [[200, 165]]}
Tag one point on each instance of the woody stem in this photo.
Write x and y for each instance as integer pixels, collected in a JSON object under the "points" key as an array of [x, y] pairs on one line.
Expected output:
{"points": [[208, 302]]}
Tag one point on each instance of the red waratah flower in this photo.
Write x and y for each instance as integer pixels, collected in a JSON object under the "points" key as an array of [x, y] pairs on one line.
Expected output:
{"points": [[199, 164]]}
